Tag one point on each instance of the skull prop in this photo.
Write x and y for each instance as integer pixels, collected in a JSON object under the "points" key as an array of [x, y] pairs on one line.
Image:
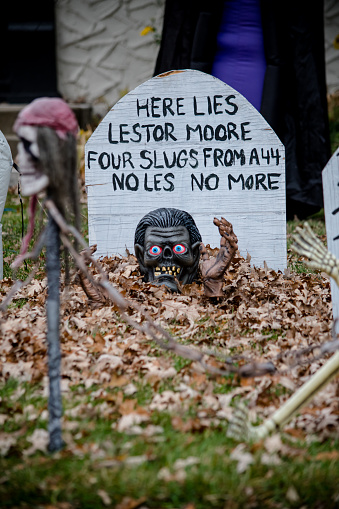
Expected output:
{"points": [[47, 129], [32, 180], [166, 244]]}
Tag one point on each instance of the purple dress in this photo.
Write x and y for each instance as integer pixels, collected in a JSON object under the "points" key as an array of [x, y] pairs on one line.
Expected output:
{"points": [[240, 59]]}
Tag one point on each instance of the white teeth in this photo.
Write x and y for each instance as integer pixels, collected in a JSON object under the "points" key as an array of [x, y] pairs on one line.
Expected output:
{"points": [[173, 268], [157, 268], [178, 270], [170, 272], [164, 269]]}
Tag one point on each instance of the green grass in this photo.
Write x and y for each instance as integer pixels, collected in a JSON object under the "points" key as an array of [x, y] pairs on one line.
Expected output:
{"points": [[12, 234], [77, 478]]}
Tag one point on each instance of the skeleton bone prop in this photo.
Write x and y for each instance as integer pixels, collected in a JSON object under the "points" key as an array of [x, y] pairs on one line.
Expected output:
{"points": [[306, 244], [47, 130]]}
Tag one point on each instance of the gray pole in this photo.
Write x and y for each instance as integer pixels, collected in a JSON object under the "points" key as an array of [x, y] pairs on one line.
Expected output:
{"points": [[53, 336]]}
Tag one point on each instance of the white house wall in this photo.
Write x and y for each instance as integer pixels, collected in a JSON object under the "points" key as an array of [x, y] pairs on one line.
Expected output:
{"points": [[100, 52]]}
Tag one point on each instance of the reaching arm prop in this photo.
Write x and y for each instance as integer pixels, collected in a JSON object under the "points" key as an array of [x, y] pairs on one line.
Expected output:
{"points": [[213, 269]]}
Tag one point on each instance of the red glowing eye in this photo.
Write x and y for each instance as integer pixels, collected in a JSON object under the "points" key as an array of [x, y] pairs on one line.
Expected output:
{"points": [[155, 250], [179, 249]]}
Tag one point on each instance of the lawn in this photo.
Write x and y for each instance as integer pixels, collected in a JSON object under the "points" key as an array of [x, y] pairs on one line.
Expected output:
{"points": [[145, 428]]}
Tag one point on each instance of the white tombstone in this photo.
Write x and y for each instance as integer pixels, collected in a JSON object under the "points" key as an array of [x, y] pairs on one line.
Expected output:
{"points": [[187, 140], [330, 178], [6, 163]]}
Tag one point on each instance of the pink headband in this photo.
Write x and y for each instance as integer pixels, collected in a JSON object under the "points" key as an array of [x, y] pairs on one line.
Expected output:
{"points": [[49, 112]]}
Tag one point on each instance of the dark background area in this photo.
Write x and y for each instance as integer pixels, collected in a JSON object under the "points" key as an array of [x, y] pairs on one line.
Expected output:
{"points": [[28, 60]]}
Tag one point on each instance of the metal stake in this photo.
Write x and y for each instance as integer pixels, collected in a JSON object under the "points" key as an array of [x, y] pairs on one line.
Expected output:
{"points": [[53, 336]]}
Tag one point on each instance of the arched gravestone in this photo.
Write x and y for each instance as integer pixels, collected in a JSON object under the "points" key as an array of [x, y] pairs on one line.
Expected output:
{"points": [[187, 140], [330, 178]]}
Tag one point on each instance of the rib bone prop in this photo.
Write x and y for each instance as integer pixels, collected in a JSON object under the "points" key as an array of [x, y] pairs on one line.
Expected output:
{"points": [[306, 244]]}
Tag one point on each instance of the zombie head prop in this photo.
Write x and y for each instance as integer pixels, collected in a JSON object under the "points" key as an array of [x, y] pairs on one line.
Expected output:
{"points": [[166, 244]]}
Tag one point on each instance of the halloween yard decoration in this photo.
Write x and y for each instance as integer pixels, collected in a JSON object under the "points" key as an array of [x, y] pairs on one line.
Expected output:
{"points": [[5, 173], [55, 145], [47, 159], [47, 130], [188, 141], [168, 244], [306, 244], [167, 247]]}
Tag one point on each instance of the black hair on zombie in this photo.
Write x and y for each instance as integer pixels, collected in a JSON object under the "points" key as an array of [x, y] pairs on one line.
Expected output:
{"points": [[165, 218]]}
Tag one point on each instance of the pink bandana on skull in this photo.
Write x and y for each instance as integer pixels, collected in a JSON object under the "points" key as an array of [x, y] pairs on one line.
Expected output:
{"points": [[49, 112]]}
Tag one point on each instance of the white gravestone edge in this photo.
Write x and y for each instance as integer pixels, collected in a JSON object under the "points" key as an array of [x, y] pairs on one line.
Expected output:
{"points": [[330, 177]]}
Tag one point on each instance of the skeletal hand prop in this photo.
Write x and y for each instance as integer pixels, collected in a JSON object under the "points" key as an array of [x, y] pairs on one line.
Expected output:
{"points": [[306, 243], [213, 269], [241, 429]]}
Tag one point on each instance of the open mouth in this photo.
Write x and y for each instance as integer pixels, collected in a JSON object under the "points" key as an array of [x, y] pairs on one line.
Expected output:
{"points": [[164, 270]]}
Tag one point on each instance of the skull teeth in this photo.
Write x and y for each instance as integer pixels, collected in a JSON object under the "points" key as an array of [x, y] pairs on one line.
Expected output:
{"points": [[166, 271]]}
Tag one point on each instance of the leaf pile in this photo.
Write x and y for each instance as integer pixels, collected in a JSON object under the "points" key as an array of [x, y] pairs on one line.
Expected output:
{"points": [[262, 315]]}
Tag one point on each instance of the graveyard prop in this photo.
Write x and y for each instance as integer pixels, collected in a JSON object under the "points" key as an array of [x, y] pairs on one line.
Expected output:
{"points": [[47, 130], [144, 324], [168, 244], [306, 244], [186, 140], [47, 158], [330, 178], [213, 269], [167, 247], [6, 164]]}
